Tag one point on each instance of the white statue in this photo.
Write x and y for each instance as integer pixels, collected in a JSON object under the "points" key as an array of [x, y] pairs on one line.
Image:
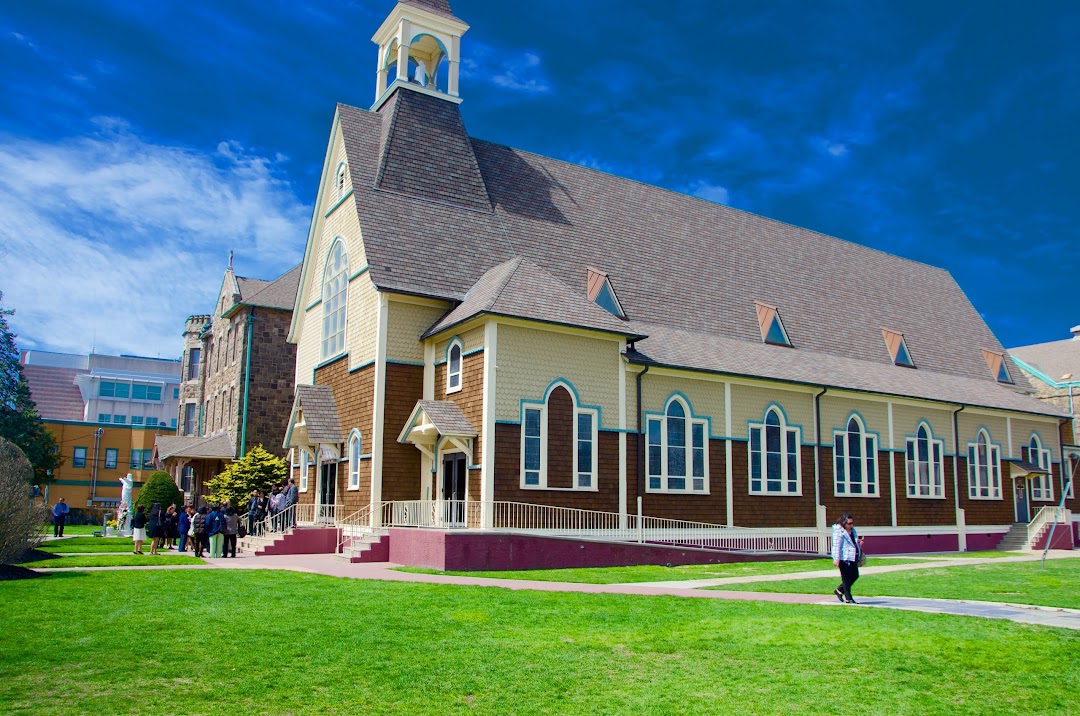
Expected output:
{"points": [[123, 519], [420, 76]]}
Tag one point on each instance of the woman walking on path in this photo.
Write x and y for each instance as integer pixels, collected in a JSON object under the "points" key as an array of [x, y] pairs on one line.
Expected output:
{"points": [[138, 528], [198, 524], [846, 548], [154, 528]]}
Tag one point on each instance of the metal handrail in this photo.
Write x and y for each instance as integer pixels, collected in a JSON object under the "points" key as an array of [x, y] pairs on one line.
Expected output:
{"points": [[1047, 514], [350, 526]]}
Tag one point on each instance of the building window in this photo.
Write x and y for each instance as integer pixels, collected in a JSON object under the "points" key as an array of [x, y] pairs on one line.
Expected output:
{"points": [[677, 458], [775, 463], [187, 475], [984, 468], [104, 418], [111, 454], [354, 460], [334, 295], [340, 180], [151, 422], [453, 366], [925, 464], [771, 327], [193, 364], [142, 460], [79, 458], [898, 351], [558, 441], [119, 419], [136, 420], [146, 392], [172, 423], [855, 467], [997, 364], [1042, 486], [304, 462], [602, 294], [189, 419], [176, 393]]}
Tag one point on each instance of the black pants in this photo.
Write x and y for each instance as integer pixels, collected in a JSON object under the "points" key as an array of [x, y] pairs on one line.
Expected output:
{"points": [[202, 543], [849, 572], [58, 525], [229, 546]]}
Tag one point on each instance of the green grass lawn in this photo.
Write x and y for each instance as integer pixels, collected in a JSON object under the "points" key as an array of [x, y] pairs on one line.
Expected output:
{"points": [[1015, 582], [87, 544], [290, 643], [73, 529], [651, 573], [112, 560]]}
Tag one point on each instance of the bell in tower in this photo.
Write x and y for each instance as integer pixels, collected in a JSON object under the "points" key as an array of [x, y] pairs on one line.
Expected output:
{"points": [[420, 48]]}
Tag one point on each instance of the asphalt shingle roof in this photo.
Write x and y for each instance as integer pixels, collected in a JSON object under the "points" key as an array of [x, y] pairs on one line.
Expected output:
{"points": [[439, 7], [215, 446], [687, 271], [279, 293], [320, 413], [1054, 359], [55, 392], [447, 418]]}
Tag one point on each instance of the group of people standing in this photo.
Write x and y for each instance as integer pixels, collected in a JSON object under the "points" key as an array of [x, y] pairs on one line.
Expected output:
{"points": [[162, 527], [274, 505], [214, 530]]}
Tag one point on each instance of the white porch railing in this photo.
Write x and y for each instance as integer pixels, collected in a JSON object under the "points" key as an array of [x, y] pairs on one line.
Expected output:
{"points": [[353, 527], [1044, 517], [309, 514], [552, 521]]}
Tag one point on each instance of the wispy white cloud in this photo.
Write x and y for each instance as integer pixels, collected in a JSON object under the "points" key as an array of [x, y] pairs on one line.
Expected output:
{"points": [[519, 71], [114, 239], [711, 192]]}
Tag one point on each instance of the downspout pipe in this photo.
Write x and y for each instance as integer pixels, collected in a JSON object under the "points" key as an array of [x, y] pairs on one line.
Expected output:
{"points": [[956, 477], [817, 443], [247, 381], [640, 455]]}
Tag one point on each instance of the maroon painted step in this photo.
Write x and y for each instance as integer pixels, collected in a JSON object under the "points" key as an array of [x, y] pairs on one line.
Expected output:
{"points": [[378, 551], [304, 540]]}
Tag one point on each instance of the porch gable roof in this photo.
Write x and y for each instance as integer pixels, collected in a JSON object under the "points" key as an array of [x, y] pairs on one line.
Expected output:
{"points": [[314, 417], [444, 417], [218, 447]]}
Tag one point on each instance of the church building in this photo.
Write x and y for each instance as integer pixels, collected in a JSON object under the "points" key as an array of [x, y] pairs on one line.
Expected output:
{"points": [[490, 339]]}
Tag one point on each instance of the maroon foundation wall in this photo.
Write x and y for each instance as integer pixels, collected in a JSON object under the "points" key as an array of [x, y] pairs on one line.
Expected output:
{"points": [[306, 540], [1063, 539], [902, 544], [462, 551]]}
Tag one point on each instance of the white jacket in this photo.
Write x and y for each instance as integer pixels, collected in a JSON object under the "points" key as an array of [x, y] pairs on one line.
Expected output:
{"points": [[845, 547]]}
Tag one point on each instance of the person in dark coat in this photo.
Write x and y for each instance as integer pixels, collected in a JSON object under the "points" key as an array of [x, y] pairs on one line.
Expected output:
{"points": [[202, 542], [138, 528], [184, 526], [155, 529], [169, 523], [59, 517]]}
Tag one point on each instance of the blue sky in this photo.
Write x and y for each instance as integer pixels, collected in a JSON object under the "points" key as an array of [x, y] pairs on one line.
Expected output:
{"points": [[140, 142]]}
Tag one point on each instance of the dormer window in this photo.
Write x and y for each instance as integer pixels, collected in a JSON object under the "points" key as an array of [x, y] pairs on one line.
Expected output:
{"points": [[602, 294], [997, 364], [894, 341], [772, 328]]}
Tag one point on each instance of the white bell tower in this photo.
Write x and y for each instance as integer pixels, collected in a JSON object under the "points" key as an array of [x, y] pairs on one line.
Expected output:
{"points": [[419, 48]]}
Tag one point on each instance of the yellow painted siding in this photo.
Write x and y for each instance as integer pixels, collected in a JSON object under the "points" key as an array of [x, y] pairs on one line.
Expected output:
{"points": [[1048, 434], [906, 419], [530, 359], [748, 404], [406, 323], [471, 340], [706, 397], [362, 322], [836, 410], [343, 222], [969, 424]]}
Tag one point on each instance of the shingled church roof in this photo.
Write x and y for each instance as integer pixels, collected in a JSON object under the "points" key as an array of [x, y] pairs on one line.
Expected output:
{"points": [[687, 271]]}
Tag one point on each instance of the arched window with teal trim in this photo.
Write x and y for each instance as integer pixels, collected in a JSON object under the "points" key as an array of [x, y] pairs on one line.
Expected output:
{"points": [[677, 449], [354, 449], [984, 468], [1042, 486], [775, 462], [855, 466], [925, 464]]}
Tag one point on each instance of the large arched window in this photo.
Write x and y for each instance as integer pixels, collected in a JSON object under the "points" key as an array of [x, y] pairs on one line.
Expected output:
{"points": [[354, 459], [925, 464], [775, 463], [1042, 486], [678, 449], [855, 468], [334, 294], [559, 441], [984, 468]]}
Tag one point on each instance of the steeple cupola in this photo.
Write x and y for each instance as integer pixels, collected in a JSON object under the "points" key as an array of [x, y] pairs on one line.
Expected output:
{"points": [[419, 48]]}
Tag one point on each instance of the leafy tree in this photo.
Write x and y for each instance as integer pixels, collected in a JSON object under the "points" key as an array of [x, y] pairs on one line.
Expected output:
{"points": [[159, 487], [258, 470], [19, 419], [20, 517]]}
